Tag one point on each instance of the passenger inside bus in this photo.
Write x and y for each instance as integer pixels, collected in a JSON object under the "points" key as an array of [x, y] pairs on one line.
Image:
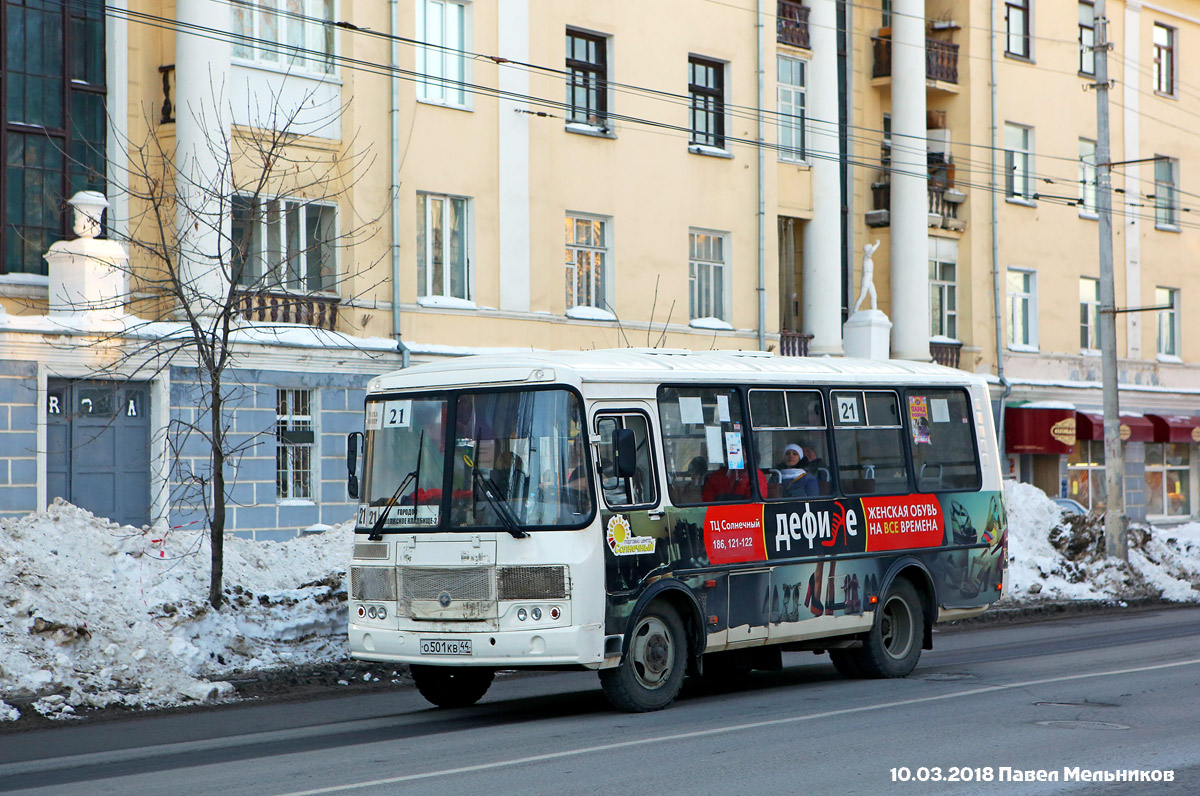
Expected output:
{"points": [[794, 478], [725, 484], [509, 476]]}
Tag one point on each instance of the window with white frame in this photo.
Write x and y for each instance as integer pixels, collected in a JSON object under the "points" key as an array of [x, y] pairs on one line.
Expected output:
{"points": [[1087, 37], [442, 26], [587, 261], [706, 274], [443, 262], [1085, 474], [294, 440], [1166, 192], [791, 76], [1017, 161], [1168, 479], [1022, 308], [1089, 313], [706, 114], [1087, 175], [943, 287], [587, 78], [1016, 28], [1164, 59], [289, 34], [282, 243], [1168, 320]]}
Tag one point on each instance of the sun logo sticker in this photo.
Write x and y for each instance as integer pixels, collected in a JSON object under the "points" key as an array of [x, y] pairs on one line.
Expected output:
{"points": [[621, 540]]}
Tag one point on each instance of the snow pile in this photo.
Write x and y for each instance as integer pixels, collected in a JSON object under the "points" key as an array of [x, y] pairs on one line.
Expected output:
{"points": [[96, 613], [1052, 556]]}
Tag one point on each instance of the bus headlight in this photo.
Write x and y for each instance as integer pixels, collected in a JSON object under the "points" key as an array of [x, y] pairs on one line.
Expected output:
{"points": [[521, 614], [536, 613]]}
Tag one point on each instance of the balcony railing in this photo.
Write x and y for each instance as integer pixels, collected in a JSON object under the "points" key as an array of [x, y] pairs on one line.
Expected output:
{"points": [[791, 23], [943, 205], [794, 344], [941, 59], [280, 307], [945, 352]]}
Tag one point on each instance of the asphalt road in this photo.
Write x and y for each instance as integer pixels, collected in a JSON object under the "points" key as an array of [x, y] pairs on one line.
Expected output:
{"points": [[1107, 694]]}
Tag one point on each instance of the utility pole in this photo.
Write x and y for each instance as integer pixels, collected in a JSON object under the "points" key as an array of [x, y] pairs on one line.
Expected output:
{"points": [[1115, 522]]}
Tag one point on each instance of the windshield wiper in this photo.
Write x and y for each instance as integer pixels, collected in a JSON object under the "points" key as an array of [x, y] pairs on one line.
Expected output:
{"points": [[414, 475], [491, 493]]}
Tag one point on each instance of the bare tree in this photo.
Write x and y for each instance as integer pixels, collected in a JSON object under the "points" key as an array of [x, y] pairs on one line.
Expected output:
{"points": [[210, 266]]}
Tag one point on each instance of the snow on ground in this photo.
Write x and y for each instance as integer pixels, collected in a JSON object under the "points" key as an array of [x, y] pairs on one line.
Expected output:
{"points": [[97, 614]]}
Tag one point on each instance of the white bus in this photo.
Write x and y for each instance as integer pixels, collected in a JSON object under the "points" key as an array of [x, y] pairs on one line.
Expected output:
{"points": [[652, 514]]}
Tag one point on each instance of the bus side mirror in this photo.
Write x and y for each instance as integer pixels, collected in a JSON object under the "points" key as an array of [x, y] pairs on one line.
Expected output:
{"points": [[625, 447], [353, 440]]}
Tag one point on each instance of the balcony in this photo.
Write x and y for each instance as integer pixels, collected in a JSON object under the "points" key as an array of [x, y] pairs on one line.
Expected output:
{"points": [[282, 307], [794, 344], [945, 351], [941, 61], [791, 23], [944, 202]]}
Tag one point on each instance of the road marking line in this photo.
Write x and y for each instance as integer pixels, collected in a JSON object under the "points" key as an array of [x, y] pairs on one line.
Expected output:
{"points": [[722, 730]]}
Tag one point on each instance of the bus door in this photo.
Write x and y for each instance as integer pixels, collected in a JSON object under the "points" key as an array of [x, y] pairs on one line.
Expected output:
{"points": [[636, 538]]}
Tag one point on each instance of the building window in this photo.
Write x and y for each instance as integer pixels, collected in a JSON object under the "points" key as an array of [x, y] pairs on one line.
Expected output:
{"points": [[1085, 474], [1022, 309], [1089, 313], [1017, 161], [1164, 59], [943, 287], [285, 33], [1168, 469], [443, 265], [1016, 28], [1166, 192], [1087, 175], [706, 116], [54, 128], [288, 244], [442, 61], [706, 274], [587, 74], [790, 91], [1087, 37], [294, 439], [587, 259], [886, 17], [1168, 320]]}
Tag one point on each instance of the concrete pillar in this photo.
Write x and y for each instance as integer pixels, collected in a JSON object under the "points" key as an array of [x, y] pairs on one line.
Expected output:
{"points": [[202, 154], [821, 297], [910, 185]]}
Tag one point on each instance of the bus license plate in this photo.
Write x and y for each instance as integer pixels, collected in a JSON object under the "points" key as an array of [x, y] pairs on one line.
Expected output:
{"points": [[442, 646]]}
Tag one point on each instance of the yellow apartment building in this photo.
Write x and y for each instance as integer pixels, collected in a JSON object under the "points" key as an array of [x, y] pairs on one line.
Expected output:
{"points": [[450, 176]]}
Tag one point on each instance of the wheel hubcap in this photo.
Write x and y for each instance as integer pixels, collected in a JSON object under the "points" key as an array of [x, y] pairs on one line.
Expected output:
{"points": [[896, 628], [653, 654]]}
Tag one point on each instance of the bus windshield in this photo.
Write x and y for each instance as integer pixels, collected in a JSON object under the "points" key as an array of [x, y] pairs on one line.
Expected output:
{"points": [[476, 460]]}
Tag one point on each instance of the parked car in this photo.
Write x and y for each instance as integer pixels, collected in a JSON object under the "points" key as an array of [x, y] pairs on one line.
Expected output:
{"points": [[1070, 506]]}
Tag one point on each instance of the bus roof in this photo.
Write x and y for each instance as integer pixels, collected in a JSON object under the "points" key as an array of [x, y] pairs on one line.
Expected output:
{"points": [[645, 365]]}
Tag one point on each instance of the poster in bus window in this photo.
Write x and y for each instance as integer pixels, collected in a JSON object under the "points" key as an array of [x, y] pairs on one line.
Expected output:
{"points": [[733, 448], [918, 414]]}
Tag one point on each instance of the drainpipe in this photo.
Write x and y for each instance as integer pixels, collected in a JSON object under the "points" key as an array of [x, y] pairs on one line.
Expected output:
{"points": [[762, 202], [998, 306], [395, 193]]}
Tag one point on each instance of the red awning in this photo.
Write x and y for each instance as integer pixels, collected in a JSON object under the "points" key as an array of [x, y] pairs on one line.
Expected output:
{"points": [[1175, 428], [1134, 428], [1039, 430]]}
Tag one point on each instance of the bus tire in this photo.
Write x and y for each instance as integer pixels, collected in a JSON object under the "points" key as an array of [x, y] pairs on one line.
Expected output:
{"points": [[651, 673], [451, 686], [893, 646]]}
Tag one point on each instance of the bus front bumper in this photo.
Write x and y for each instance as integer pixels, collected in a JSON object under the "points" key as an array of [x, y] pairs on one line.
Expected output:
{"points": [[552, 646]]}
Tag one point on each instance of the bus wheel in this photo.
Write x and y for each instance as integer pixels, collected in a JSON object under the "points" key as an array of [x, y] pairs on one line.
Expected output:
{"points": [[893, 646], [451, 687], [651, 674]]}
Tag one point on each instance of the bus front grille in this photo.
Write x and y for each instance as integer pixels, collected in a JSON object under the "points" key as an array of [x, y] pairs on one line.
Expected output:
{"points": [[531, 583], [372, 583], [461, 583]]}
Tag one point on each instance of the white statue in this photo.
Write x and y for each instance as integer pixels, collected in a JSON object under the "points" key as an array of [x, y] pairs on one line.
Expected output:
{"points": [[868, 277]]}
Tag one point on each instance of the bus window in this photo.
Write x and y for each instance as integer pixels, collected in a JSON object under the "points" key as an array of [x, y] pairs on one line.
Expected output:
{"points": [[704, 446], [942, 440], [868, 438], [638, 489], [790, 442]]}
